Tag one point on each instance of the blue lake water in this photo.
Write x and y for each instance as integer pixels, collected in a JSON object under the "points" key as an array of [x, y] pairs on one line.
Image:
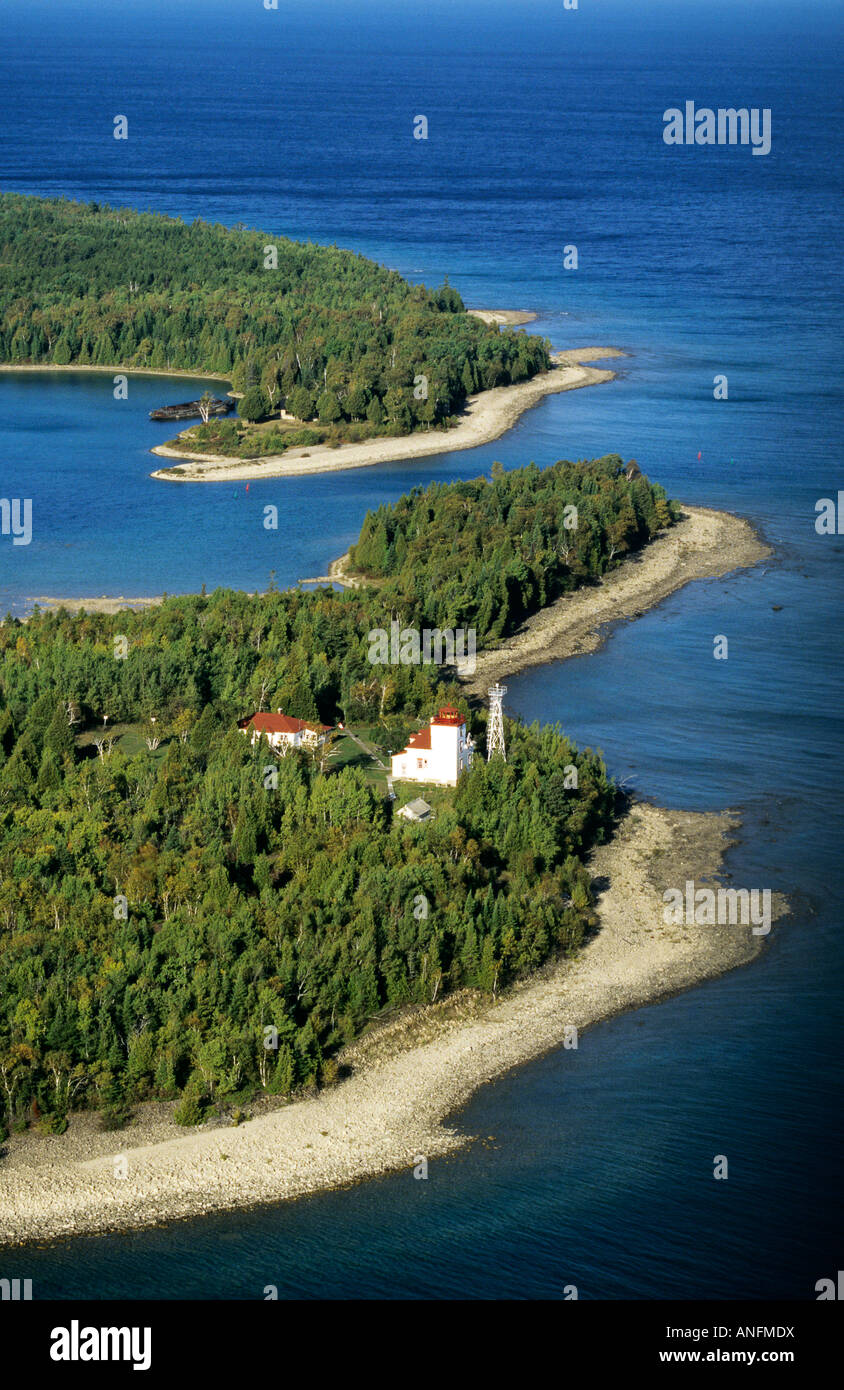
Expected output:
{"points": [[545, 130]]}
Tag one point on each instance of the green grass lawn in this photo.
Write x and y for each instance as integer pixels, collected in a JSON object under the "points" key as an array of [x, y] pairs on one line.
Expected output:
{"points": [[347, 753], [437, 797], [129, 738]]}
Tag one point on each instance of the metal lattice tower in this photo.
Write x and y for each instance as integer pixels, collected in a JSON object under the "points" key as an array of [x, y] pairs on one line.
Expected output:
{"points": [[495, 724]]}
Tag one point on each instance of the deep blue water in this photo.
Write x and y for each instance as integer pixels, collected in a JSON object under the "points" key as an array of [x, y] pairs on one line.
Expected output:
{"points": [[545, 130]]}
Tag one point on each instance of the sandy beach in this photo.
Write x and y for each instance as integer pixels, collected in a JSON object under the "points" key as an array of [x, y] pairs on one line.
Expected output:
{"points": [[103, 604], [485, 417], [706, 544], [175, 372], [408, 1078], [507, 318]]}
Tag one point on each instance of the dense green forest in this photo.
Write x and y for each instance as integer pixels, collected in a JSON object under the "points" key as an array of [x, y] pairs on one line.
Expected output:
{"points": [[486, 553], [323, 332], [245, 906], [162, 904]]}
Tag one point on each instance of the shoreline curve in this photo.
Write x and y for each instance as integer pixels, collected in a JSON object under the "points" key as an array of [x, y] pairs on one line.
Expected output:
{"points": [[704, 544], [409, 1077], [486, 417], [413, 1073]]}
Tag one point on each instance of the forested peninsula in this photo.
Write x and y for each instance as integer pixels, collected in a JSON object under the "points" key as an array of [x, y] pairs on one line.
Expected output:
{"points": [[345, 348], [163, 902], [487, 555]]}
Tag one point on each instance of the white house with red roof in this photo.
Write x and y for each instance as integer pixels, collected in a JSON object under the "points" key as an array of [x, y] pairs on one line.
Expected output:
{"points": [[438, 753], [282, 732]]}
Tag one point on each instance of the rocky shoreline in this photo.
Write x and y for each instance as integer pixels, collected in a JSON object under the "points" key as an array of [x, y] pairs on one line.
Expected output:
{"points": [[408, 1078], [410, 1075], [705, 544]]}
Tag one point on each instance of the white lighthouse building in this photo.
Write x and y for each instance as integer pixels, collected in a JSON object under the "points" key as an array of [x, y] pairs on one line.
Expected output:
{"points": [[438, 753]]}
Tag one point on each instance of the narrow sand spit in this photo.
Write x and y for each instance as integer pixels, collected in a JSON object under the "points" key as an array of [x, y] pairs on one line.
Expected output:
{"points": [[485, 417], [509, 318], [103, 604], [407, 1078], [704, 545]]}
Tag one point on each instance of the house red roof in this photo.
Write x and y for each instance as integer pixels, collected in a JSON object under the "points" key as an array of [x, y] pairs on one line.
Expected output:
{"points": [[280, 724]]}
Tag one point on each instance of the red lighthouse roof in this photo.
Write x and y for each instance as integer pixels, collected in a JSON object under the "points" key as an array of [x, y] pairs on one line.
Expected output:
{"points": [[448, 715], [420, 740]]}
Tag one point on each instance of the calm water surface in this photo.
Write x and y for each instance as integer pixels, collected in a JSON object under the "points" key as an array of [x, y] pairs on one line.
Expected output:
{"points": [[545, 130]]}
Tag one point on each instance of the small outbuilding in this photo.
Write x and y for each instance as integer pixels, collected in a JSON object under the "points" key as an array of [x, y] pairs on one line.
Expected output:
{"points": [[416, 810]]}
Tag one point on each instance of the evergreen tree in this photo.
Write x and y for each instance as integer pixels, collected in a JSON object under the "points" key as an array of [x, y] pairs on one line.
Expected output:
{"points": [[253, 404]]}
